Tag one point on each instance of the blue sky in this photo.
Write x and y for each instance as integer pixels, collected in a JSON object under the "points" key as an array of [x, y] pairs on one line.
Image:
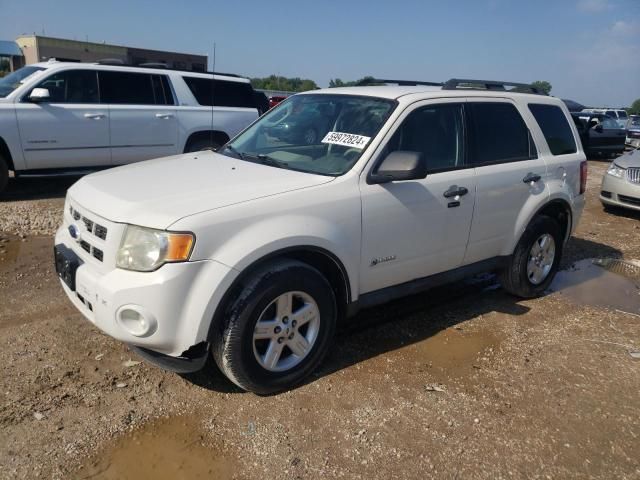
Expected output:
{"points": [[588, 49]]}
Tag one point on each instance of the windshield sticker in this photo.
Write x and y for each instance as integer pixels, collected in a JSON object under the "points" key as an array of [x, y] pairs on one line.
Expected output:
{"points": [[346, 140]]}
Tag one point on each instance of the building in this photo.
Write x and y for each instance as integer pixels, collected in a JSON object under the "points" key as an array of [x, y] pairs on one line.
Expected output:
{"points": [[37, 48], [11, 57]]}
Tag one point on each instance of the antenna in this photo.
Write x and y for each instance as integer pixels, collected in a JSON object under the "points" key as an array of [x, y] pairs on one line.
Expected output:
{"points": [[213, 88]]}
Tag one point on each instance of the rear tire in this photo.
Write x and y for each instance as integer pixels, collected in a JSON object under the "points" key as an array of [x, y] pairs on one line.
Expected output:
{"points": [[259, 321], [532, 266], [4, 174], [202, 146]]}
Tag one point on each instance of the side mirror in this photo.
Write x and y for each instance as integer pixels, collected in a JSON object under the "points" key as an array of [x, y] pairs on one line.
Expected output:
{"points": [[399, 166], [39, 95]]}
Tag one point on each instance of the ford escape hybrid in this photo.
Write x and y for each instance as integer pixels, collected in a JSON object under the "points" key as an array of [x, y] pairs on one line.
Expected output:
{"points": [[254, 253]]}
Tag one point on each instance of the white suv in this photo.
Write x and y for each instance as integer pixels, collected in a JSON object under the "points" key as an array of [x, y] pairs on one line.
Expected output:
{"points": [[69, 116], [254, 253]]}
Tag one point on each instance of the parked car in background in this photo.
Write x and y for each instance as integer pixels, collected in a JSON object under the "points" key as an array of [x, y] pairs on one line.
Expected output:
{"points": [[599, 133], [275, 100], [618, 114], [633, 131], [621, 183], [58, 116], [254, 253]]}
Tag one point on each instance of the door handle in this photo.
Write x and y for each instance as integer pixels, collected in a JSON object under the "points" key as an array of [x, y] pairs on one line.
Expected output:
{"points": [[94, 116], [531, 178], [164, 115], [455, 191]]}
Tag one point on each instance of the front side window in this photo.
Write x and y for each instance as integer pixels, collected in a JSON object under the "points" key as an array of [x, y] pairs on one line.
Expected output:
{"points": [[12, 81], [72, 86], [314, 133], [498, 134], [436, 131], [555, 128], [126, 88], [609, 124]]}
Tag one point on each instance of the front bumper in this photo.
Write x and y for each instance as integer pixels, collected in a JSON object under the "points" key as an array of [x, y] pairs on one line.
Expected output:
{"points": [[620, 192], [178, 299]]}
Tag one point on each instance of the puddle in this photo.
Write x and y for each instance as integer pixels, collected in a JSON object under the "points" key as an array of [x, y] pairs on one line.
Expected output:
{"points": [[607, 283], [172, 448], [452, 350]]}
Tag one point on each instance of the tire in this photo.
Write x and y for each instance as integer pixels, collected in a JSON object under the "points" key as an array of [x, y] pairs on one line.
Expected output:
{"points": [[4, 174], [203, 145], [520, 280], [243, 358]]}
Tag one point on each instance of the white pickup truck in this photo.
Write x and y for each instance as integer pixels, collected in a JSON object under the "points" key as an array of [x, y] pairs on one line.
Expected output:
{"points": [[61, 116]]}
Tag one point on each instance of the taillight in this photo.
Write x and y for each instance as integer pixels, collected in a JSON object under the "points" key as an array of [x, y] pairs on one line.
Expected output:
{"points": [[583, 177]]}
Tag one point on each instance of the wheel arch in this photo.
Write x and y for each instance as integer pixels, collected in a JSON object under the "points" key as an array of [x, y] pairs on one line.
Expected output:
{"points": [[319, 258], [6, 154], [215, 135]]}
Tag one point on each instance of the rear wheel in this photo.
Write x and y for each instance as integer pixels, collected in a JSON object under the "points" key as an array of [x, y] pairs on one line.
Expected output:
{"points": [[4, 174], [203, 145], [278, 329], [535, 260]]}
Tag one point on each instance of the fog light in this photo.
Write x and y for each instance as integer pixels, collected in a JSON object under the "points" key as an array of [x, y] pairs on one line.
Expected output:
{"points": [[136, 320]]}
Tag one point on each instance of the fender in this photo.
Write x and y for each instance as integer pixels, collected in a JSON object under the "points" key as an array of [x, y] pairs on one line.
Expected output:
{"points": [[11, 136]]}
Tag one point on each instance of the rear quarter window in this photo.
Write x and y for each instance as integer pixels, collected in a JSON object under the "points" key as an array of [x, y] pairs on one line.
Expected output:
{"points": [[555, 128], [221, 93]]}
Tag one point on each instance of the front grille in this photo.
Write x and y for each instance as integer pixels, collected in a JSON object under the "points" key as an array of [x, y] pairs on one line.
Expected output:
{"points": [[605, 194], [633, 175], [629, 200], [92, 228]]}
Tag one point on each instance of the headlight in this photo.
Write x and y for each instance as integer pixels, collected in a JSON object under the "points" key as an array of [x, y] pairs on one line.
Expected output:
{"points": [[615, 171], [144, 249]]}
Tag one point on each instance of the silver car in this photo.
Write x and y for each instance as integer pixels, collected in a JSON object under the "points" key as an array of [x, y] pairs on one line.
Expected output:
{"points": [[621, 183], [633, 131]]}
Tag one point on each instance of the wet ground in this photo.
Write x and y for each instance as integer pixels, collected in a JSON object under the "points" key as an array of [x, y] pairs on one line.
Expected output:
{"points": [[463, 382]]}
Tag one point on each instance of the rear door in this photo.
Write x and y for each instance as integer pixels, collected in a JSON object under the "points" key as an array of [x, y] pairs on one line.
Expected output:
{"points": [[143, 121], [71, 128], [414, 229], [508, 172]]}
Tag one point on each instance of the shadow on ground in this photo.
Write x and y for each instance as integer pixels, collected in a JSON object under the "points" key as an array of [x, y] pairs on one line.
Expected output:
{"points": [[36, 188]]}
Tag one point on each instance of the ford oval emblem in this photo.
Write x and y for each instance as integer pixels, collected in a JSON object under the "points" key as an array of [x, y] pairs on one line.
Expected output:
{"points": [[73, 231]]}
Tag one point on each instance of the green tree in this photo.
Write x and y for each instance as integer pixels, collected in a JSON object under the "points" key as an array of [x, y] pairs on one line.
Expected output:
{"points": [[542, 85], [274, 82], [635, 108]]}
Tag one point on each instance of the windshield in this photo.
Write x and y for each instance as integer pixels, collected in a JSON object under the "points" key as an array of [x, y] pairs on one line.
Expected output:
{"points": [[314, 133], [12, 81]]}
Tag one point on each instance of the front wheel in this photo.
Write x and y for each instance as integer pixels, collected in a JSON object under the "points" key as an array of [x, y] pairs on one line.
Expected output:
{"points": [[278, 328], [535, 260]]}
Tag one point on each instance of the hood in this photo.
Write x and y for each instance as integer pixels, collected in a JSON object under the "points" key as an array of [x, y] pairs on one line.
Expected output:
{"points": [[630, 159], [157, 193]]}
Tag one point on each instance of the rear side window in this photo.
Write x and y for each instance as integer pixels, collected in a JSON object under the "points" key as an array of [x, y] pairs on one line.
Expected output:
{"points": [[498, 134], [128, 88], [555, 128], [72, 86], [221, 93]]}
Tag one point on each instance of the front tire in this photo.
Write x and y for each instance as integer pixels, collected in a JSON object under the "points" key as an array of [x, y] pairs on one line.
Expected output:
{"points": [[535, 261], [278, 329], [4, 174]]}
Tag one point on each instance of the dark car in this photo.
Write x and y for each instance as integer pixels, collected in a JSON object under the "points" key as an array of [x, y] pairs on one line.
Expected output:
{"points": [[275, 100], [599, 133]]}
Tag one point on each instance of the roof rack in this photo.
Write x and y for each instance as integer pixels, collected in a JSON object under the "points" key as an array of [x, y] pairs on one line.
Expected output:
{"points": [[376, 81], [459, 83], [120, 63]]}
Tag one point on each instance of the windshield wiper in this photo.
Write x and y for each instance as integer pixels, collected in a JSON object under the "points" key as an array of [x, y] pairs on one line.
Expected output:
{"points": [[265, 160], [233, 150]]}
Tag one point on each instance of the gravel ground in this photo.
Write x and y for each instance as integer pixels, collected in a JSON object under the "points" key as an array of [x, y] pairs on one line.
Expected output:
{"points": [[462, 382]]}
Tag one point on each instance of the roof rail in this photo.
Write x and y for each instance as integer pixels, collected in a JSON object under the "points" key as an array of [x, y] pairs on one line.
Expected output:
{"points": [[376, 81], [119, 63], [110, 61], [459, 83], [153, 65]]}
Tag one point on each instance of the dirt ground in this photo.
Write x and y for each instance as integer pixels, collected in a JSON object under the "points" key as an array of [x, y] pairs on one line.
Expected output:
{"points": [[462, 382]]}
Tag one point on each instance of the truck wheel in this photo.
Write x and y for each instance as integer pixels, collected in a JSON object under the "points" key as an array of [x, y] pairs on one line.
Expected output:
{"points": [[278, 328], [4, 174], [202, 145], [535, 260]]}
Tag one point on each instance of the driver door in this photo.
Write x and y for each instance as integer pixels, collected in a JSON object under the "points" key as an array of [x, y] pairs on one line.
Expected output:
{"points": [[69, 129], [413, 229]]}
